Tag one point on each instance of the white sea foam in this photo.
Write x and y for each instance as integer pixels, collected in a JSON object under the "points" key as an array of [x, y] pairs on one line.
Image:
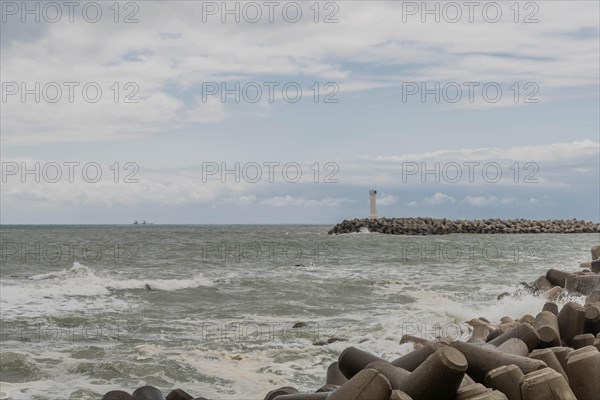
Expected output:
{"points": [[363, 230], [79, 275], [249, 370], [77, 288]]}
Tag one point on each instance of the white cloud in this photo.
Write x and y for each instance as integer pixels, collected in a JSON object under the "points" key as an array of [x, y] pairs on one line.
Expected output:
{"points": [[559, 166], [484, 201], [243, 200], [154, 188], [286, 201], [185, 186], [545, 152], [508, 200], [211, 110], [439, 198], [168, 53], [387, 200]]}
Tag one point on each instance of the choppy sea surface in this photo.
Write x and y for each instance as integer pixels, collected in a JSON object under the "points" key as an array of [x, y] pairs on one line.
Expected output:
{"points": [[210, 309]]}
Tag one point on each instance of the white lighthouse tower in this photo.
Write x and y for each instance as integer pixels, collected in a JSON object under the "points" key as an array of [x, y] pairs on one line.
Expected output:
{"points": [[373, 203]]}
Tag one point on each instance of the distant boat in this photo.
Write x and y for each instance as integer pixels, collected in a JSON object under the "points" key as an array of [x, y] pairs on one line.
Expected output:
{"points": [[136, 223]]}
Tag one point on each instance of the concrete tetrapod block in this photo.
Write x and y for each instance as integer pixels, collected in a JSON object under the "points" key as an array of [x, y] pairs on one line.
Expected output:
{"points": [[327, 388], [493, 395], [586, 264], [280, 391], [546, 325], [487, 344], [438, 377], [481, 330], [117, 395], [521, 330], [583, 370], [396, 375], [557, 277], [542, 284], [368, 384], [507, 325], [546, 384], [179, 394], [412, 339], [528, 318], [467, 381], [412, 360], [399, 395], [303, 396], [573, 353], [561, 355], [594, 310], [583, 284], [571, 319], [553, 294], [481, 360], [596, 252], [551, 307], [548, 356], [353, 360], [583, 340], [507, 380], [514, 346], [495, 333], [480, 334], [147, 393], [477, 341], [470, 391], [593, 297], [592, 318], [334, 375]]}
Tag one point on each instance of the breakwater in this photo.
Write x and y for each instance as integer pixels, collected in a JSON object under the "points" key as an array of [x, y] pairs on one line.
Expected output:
{"points": [[553, 355], [444, 226]]}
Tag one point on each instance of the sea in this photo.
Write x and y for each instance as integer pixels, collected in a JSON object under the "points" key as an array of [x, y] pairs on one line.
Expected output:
{"points": [[211, 309]]}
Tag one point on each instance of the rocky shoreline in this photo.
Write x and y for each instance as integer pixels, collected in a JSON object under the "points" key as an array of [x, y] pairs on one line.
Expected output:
{"points": [[553, 355], [444, 226]]}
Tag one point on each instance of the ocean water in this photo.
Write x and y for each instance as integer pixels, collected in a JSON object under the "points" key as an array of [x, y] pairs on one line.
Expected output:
{"points": [[210, 309]]}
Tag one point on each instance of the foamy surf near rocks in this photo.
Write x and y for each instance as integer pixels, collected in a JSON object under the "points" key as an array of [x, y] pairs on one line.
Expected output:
{"points": [[478, 369], [553, 355], [444, 226]]}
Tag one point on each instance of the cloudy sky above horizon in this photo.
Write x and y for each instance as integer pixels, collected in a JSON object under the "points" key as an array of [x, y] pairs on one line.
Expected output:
{"points": [[292, 113]]}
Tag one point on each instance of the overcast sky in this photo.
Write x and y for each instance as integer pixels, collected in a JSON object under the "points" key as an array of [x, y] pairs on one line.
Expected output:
{"points": [[193, 117]]}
